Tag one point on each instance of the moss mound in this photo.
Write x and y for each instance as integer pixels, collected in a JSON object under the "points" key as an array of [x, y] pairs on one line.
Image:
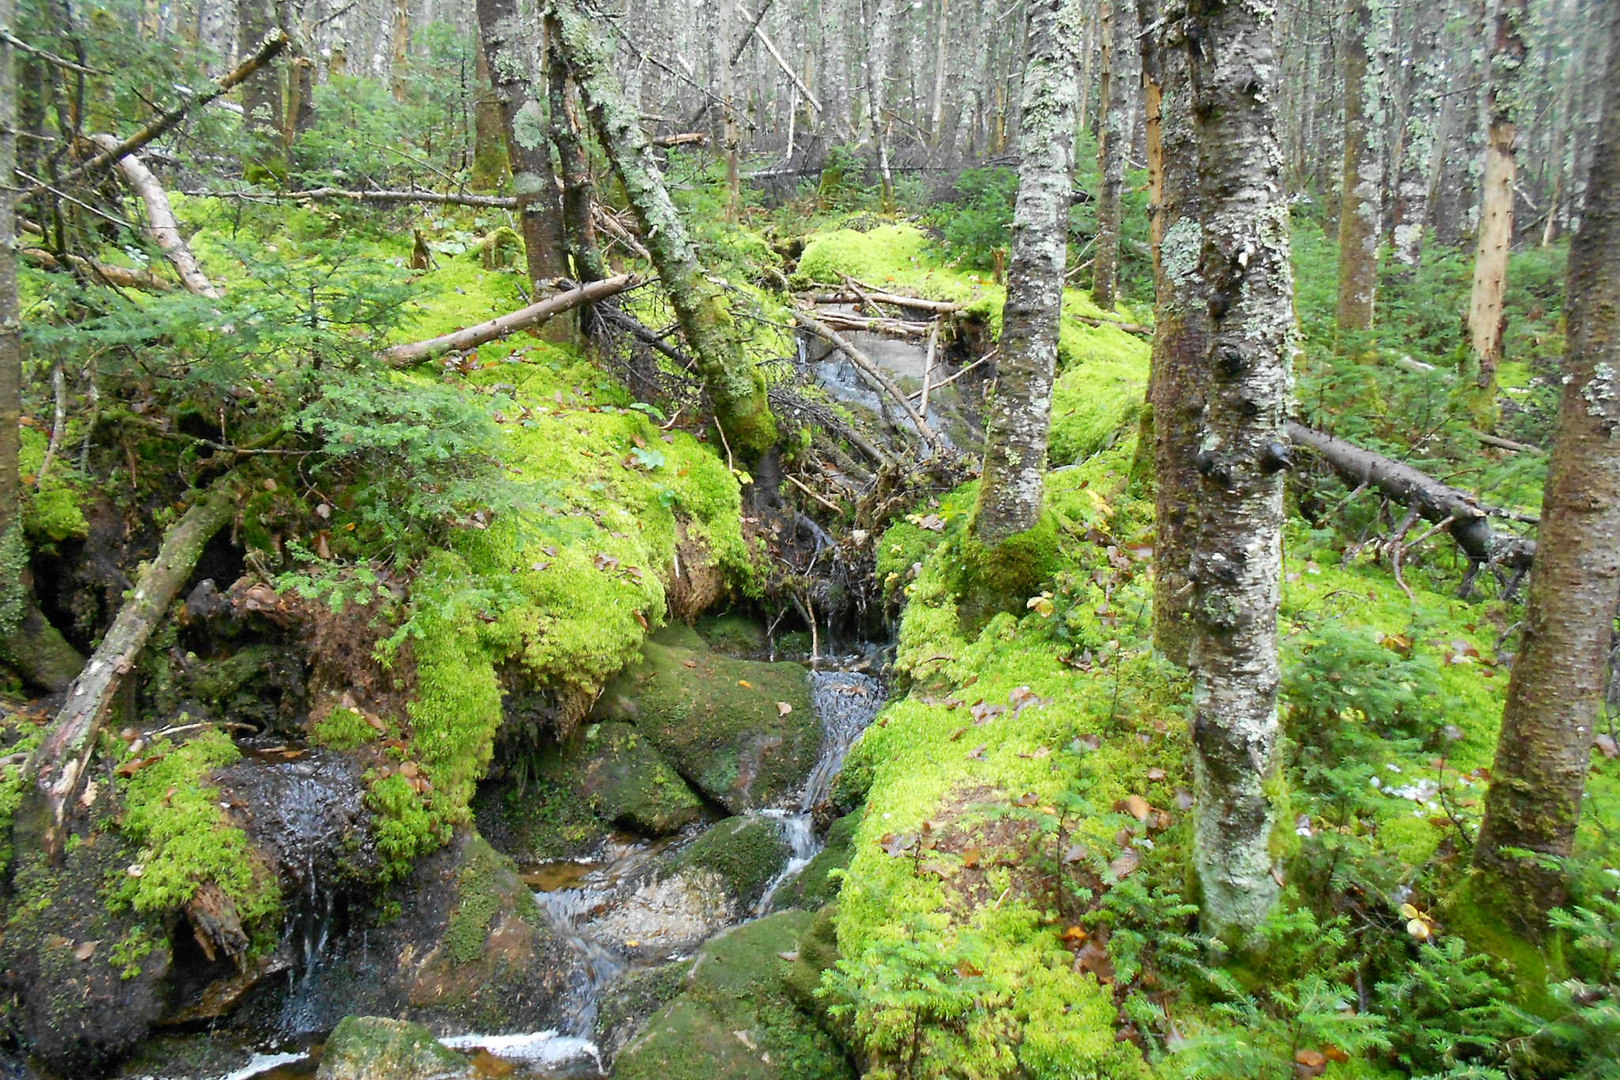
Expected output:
{"points": [[366, 1047], [622, 779], [745, 852]]}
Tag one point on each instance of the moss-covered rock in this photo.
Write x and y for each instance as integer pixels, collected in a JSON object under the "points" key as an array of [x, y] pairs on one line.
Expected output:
{"points": [[621, 777], [372, 1047], [746, 852], [721, 722], [627, 1004], [735, 1019]]}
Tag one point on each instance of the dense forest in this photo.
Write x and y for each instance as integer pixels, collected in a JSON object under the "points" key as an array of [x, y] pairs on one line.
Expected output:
{"points": [[810, 539]]}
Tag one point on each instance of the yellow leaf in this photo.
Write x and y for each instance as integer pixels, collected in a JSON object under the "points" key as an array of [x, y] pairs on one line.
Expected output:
{"points": [[745, 684]]}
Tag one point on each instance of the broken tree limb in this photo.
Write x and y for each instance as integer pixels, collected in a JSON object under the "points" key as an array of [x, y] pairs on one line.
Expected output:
{"points": [[1470, 522], [325, 194], [1130, 328], [58, 765], [890, 327], [873, 372], [685, 138], [770, 47], [160, 220], [417, 351], [121, 276], [118, 149], [851, 296]]}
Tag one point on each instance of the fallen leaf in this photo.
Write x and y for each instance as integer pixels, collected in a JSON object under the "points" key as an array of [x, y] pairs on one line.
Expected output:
{"points": [[978, 751], [1155, 773], [1028, 798], [1125, 864], [745, 684], [1074, 936], [790, 957], [1184, 799], [898, 845], [86, 950], [1093, 959], [1075, 853], [971, 857], [1137, 807], [690, 663], [1607, 745], [783, 708], [968, 970], [1333, 1053], [958, 733]]}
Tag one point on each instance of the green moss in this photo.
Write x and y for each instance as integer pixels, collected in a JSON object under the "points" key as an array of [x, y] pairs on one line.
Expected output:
{"points": [[54, 512], [620, 776], [476, 903], [344, 729], [872, 256], [367, 1046], [184, 839], [746, 852]]}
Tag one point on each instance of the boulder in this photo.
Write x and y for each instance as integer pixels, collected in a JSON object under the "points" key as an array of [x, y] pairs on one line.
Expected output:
{"points": [[377, 1048], [741, 732], [619, 774]]}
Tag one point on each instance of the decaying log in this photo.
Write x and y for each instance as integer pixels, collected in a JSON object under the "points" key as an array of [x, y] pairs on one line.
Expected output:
{"points": [[685, 138], [890, 327], [160, 218], [121, 276], [522, 319], [58, 765], [324, 194], [1469, 522], [117, 149], [873, 372]]}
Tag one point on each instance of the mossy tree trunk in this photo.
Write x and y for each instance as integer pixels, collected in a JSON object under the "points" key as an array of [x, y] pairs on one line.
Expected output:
{"points": [[1485, 315], [1359, 189], [1173, 420], [1020, 414], [734, 383], [490, 134], [1111, 138], [578, 229], [1545, 748], [1237, 562], [263, 112]]}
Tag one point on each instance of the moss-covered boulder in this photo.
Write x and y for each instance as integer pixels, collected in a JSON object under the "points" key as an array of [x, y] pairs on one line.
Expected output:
{"points": [[741, 732], [373, 1047], [620, 776], [735, 1019], [744, 852]]}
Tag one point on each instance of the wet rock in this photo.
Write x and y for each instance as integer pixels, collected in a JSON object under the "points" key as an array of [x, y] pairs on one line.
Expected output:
{"points": [[628, 1003], [815, 887], [741, 732], [87, 983], [734, 1019], [684, 897], [374, 1047], [621, 777], [306, 814]]}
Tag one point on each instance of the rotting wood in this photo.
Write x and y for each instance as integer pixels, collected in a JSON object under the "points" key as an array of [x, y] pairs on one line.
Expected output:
{"points": [[160, 219], [875, 373], [473, 336], [59, 764]]}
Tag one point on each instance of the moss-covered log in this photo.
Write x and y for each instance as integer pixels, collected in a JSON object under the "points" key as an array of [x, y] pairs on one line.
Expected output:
{"points": [[735, 384]]}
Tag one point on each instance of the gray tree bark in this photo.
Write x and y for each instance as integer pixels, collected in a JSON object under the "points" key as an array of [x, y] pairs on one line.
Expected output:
{"points": [[1112, 123], [1545, 748], [1358, 196], [1018, 418], [1237, 564]]}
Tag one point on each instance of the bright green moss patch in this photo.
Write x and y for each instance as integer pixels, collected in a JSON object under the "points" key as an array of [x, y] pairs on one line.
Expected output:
{"points": [[344, 729], [52, 512]]}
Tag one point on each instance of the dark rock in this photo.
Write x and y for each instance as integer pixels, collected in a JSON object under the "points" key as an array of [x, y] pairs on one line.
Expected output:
{"points": [[621, 777]]}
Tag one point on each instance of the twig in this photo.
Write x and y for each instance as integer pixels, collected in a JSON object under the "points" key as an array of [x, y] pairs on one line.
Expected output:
{"points": [[48, 56], [796, 482], [59, 387], [943, 383], [233, 725], [865, 364]]}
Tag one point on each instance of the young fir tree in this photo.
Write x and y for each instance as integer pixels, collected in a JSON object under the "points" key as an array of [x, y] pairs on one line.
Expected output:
{"points": [[1545, 748], [1021, 413], [1237, 560]]}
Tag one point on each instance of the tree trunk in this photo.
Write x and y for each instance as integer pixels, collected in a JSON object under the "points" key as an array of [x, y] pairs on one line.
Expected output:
{"points": [[579, 229], [730, 136], [1485, 316], [400, 53], [1453, 194], [1173, 420], [1111, 121], [936, 107], [877, 79], [490, 155], [1237, 564], [1358, 195], [161, 223], [1020, 414], [262, 110], [734, 382], [1545, 748], [58, 765], [1413, 163]]}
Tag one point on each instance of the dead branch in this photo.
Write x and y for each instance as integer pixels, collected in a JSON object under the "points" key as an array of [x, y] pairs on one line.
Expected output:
{"points": [[770, 47], [1130, 328], [522, 319], [685, 138], [121, 276], [160, 220], [892, 327], [849, 296], [118, 149], [59, 763], [873, 372]]}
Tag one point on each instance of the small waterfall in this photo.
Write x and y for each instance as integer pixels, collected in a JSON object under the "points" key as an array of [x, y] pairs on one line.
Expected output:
{"points": [[846, 702], [309, 935], [599, 965]]}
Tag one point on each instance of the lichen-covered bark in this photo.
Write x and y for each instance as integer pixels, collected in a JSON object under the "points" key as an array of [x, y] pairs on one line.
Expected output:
{"points": [[1359, 191], [735, 384], [1417, 137], [1453, 195], [1021, 412], [1545, 748], [1113, 37], [13, 554], [528, 148], [1177, 380], [877, 79], [261, 97], [1496, 211], [1237, 563]]}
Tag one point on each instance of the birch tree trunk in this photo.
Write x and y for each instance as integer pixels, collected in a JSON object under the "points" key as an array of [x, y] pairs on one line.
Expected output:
{"points": [[1237, 564], [1358, 206], [1545, 748], [735, 384], [1016, 426], [1110, 157], [1485, 317], [1173, 420]]}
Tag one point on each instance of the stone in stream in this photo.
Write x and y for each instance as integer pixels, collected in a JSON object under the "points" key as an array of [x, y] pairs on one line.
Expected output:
{"points": [[378, 1048]]}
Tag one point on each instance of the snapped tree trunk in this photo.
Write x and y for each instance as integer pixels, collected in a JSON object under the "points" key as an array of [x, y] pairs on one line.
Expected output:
{"points": [[1545, 747], [1485, 317], [1111, 139], [734, 383], [1237, 563], [160, 220], [1019, 415], [1358, 198], [1173, 420]]}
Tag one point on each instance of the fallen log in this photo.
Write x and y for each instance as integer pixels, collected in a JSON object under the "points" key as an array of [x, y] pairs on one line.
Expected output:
{"points": [[891, 327], [685, 138], [1468, 522], [873, 372], [850, 296], [122, 276], [160, 219], [522, 319], [118, 149], [1130, 328], [59, 764]]}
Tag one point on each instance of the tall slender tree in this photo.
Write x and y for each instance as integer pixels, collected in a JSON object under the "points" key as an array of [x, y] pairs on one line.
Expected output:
{"points": [[1545, 748], [1016, 430], [1237, 563], [1112, 123], [1359, 189]]}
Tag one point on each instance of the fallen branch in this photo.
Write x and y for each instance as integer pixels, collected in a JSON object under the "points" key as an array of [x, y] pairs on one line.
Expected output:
{"points": [[120, 149], [323, 194], [611, 224], [522, 319], [802, 486], [892, 327], [943, 383], [849, 296], [873, 372], [698, 138], [160, 220], [58, 765], [1470, 524], [1130, 328], [121, 276], [1508, 444]]}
